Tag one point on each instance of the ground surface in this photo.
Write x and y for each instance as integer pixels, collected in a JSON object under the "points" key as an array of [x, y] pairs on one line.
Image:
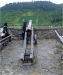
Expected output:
{"points": [[47, 55]]}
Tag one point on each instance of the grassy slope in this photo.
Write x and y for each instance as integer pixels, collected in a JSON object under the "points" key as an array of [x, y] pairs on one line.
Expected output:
{"points": [[38, 17]]}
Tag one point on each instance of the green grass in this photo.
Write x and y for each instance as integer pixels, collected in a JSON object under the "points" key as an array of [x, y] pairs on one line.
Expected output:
{"points": [[39, 19]]}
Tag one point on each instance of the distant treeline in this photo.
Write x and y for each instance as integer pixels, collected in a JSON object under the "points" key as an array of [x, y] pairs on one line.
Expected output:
{"points": [[37, 5]]}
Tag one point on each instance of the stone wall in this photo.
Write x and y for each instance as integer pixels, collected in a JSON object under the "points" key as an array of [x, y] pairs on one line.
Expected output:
{"points": [[41, 33]]}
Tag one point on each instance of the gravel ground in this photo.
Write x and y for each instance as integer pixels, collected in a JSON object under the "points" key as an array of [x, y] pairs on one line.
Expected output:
{"points": [[47, 55]]}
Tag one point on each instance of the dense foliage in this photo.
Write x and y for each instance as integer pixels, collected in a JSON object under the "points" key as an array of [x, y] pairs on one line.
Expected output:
{"points": [[41, 12]]}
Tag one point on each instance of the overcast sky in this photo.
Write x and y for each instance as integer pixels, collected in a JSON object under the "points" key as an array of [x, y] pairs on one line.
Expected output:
{"points": [[2, 3]]}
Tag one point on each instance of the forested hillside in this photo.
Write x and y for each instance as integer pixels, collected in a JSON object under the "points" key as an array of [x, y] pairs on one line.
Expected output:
{"points": [[41, 13]]}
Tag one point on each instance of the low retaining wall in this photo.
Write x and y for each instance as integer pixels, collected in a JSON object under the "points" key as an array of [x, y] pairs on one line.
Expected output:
{"points": [[41, 33]]}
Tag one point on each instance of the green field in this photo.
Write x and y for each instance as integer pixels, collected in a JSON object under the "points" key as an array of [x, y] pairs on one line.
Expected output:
{"points": [[42, 21], [15, 21], [43, 14]]}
